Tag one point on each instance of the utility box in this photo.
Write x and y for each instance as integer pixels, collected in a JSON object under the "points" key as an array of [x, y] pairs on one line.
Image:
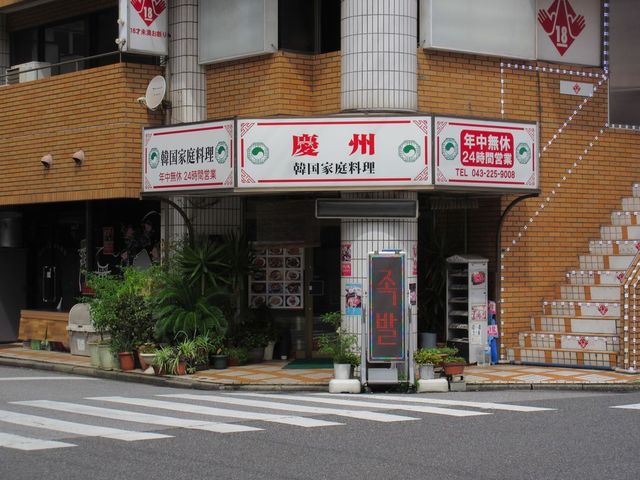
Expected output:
{"points": [[80, 329]]}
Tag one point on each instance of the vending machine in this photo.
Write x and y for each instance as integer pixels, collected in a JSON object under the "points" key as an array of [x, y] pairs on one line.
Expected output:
{"points": [[467, 305]]}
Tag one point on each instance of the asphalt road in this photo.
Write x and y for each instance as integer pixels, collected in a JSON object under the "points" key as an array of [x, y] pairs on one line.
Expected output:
{"points": [[68, 427]]}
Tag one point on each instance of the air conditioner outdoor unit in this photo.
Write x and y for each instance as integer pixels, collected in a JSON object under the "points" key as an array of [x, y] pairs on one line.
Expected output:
{"points": [[25, 72]]}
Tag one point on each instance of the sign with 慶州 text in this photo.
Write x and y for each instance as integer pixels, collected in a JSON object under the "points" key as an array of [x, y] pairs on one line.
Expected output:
{"points": [[316, 153]]}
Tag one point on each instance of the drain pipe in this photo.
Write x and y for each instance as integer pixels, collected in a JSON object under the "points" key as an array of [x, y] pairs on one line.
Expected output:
{"points": [[499, 261], [180, 211]]}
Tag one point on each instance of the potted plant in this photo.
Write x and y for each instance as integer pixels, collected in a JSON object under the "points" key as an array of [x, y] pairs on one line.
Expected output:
{"points": [[341, 345], [427, 359], [218, 357], [164, 360], [452, 364], [146, 354], [237, 356], [124, 350], [186, 354]]}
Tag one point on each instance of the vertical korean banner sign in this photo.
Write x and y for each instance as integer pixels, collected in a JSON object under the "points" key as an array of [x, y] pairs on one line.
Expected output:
{"points": [[386, 307], [484, 153]]}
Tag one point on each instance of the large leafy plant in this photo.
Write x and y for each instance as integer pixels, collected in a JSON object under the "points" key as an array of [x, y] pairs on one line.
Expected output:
{"points": [[182, 307], [121, 306]]}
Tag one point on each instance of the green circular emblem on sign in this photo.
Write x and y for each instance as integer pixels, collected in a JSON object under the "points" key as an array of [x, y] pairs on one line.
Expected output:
{"points": [[523, 153], [449, 148], [409, 151], [154, 158], [222, 152], [258, 153]]}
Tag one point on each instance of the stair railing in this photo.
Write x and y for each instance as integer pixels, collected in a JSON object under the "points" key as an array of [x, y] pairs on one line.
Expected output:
{"points": [[630, 315]]}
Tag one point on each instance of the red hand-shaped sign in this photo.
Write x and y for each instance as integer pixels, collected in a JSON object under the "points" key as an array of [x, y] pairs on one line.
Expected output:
{"points": [[149, 10], [562, 24]]}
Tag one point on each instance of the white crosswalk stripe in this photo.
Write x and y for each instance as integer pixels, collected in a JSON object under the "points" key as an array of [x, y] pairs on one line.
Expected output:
{"points": [[458, 403], [80, 429], [632, 406], [18, 442], [220, 412], [362, 407], [138, 417], [366, 404], [359, 414]]}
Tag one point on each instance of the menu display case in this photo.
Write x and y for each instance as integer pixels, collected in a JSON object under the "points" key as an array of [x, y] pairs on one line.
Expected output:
{"points": [[467, 304], [279, 278]]}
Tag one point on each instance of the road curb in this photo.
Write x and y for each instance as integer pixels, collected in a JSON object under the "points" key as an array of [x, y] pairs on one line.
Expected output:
{"points": [[184, 382]]}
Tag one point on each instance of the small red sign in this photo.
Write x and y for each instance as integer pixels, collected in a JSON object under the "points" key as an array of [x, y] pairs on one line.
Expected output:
{"points": [[346, 269], [562, 24], [481, 148], [149, 10]]}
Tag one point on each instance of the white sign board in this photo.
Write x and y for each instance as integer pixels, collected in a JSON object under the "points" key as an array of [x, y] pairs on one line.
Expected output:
{"points": [[568, 31], [492, 27], [144, 26], [344, 152], [188, 157], [482, 153], [580, 89]]}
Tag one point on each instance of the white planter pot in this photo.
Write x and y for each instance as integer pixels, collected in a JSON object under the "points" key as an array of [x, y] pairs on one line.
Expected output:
{"points": [[342, 371], [107, 361], [268, 351], [426, 372]]}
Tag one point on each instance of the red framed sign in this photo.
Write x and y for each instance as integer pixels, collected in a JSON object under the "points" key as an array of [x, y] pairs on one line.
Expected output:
{"points": [[343, 152], [386, 307], [485, 153]]}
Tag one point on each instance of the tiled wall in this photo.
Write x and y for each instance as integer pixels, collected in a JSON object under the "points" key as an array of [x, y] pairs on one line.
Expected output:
{"points": [[94, 110], [378, 41]]}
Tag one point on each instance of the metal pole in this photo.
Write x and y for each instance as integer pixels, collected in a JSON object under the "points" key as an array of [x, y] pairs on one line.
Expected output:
{"points": [[499, 258]]}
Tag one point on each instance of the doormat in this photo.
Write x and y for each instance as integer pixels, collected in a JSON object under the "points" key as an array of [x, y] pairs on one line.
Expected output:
{"points": [[310, 363]]}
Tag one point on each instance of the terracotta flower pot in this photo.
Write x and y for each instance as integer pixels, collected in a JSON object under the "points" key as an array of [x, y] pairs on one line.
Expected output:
{"points": [[127, 362], [453, 368]]}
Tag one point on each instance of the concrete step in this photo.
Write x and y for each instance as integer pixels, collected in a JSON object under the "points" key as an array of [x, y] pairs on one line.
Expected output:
{"points": [[605, 262], [563, 357], [568, 341], [579, 309], [622, 232], [605, 293], [620, 217], [583, 325], [630, 204], [614, 247], [595, 277]]}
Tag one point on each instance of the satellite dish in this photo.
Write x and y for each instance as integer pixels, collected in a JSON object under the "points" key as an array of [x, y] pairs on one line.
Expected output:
{"points": [[155, 92]]}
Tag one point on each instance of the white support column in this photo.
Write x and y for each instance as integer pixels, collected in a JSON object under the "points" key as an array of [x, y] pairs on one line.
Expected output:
{"points": [[379, 55], [187, 82], [366, 236], [379, 73]]}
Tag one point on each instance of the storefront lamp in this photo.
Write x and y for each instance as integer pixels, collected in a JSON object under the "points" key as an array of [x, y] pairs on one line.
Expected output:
{"points": [[78, 157], [47, 160]]}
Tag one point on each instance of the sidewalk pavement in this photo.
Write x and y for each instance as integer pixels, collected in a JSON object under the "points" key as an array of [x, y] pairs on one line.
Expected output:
{"points": [[271, 375]]}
